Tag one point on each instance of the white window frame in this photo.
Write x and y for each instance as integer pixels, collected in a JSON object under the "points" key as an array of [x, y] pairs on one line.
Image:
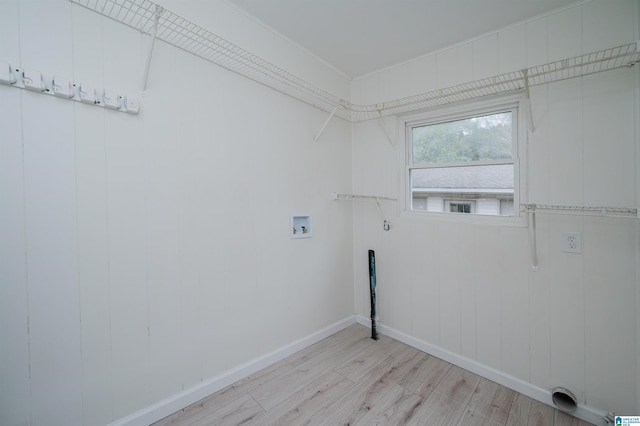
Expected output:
{"points": [[460, 111]]}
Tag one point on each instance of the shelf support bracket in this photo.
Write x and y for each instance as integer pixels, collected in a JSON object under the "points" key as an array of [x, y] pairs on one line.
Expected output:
{"points": [[381, 123], [325, 124], [525, 73], [385, 223], [158, 11], [531, 208]]}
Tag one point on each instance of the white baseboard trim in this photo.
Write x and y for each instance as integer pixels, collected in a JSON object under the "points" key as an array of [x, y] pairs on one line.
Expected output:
{"points": [[166, 407], [583, 412]]}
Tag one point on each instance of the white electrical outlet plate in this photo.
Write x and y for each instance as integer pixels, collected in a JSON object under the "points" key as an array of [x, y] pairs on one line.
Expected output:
{"points": [[572, 242]]}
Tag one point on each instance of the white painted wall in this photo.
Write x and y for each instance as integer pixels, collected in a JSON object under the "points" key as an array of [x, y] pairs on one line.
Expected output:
{"points": [[468, 287], [142, 255]]}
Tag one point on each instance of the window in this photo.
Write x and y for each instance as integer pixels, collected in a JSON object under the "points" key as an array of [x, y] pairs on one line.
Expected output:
{"points": [[460, 207], [464, 162]]}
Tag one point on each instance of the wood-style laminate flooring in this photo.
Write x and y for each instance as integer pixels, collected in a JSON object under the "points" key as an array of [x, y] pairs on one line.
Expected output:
{"points": [[350, 379]]}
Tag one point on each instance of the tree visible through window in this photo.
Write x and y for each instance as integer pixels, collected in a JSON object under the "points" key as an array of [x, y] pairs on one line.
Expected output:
{"points": [[464, 165], [487, 137]]}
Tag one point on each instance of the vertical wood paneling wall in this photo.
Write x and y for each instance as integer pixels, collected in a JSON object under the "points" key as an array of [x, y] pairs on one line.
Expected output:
{"points": [[141, 255], [468, 287]]}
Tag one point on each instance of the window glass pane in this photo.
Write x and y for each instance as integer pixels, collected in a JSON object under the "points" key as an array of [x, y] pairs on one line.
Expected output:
{"points": [[486, 189], [460, 207], [487, 137], [497, 178]]}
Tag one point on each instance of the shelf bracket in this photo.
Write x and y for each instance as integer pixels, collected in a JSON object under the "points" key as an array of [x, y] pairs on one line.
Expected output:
{"points": [[525, 74], [325, 124], [382, 125], [386, 225], [158, 11], [531, 208]]}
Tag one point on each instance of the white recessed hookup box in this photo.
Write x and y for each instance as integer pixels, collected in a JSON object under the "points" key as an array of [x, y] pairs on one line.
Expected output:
{"points": [[301, 226]]}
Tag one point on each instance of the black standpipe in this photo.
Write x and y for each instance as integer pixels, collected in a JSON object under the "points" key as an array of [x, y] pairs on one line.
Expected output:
{"points": [[372, 287]]}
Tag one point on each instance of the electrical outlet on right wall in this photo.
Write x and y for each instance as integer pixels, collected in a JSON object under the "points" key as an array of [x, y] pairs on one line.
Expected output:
{"points": [[572, 242]]}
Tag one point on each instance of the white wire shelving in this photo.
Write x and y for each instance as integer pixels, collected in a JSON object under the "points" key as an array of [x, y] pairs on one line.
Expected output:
{"points": [[150, 18], [190, 37], [532, 209], [356, 197], [605, 60], [386, 225], [609, 211]]}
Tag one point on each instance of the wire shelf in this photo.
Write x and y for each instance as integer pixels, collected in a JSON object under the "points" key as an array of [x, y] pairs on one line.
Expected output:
{"points": [[353, 197], [188, 36], [591, 63], [581, 210]]}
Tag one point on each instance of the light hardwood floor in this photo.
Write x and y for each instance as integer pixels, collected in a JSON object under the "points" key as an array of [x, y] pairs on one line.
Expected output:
{"points": [[350, 379]]}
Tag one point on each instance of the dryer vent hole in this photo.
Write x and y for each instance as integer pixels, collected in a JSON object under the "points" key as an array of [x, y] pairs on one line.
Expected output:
{"points": [[564, 399]]}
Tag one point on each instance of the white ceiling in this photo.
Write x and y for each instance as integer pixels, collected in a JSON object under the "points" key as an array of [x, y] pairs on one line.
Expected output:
{"points": [[361, 36]]}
